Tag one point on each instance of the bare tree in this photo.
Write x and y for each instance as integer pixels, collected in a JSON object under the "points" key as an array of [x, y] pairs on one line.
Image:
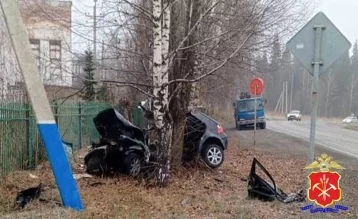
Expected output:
{"points": [[187, 52]]}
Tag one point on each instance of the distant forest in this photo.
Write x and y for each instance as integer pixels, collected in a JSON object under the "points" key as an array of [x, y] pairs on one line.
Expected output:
{"points": [[337, 87]]}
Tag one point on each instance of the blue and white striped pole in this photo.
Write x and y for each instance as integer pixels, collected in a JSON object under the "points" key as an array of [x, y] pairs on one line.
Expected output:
{"points": [[45, 120]]}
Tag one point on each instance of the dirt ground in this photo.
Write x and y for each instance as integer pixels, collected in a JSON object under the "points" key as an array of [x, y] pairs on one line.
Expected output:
{"points": [[193, 193]]}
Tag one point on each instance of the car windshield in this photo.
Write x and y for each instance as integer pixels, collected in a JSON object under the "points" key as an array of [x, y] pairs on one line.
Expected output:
{"points": [[295, 112], [249, 105]]}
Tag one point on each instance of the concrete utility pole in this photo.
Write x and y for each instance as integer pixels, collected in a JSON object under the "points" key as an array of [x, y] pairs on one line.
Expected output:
{"points": [[45, 120], [95, 30], [286, 97], [283, 99], [103, 72], [291, 98]]}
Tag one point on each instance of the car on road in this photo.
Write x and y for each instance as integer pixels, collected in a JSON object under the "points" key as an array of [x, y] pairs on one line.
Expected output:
{"points": [[350, 119], [294, 115]]}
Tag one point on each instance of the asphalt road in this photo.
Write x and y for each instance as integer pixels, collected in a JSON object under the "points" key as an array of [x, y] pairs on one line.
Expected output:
{"points": [[328, 135]]}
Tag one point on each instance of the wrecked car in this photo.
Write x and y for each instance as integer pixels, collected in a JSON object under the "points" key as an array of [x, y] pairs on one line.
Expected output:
{"points": [[205, 137], [124, 147], [259, 188]]}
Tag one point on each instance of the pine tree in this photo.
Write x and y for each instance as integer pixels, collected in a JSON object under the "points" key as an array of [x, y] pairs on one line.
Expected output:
{"points": [[274, 84], [103, 94], [89, 93], [276, 54]]}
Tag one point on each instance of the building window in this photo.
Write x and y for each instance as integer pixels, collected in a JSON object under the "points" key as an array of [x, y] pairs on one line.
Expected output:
{"points": [[55, 51], [55, 59], [35, 46]]}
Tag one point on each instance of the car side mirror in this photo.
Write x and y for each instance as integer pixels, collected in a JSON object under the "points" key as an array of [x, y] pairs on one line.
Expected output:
{"points": [[234, 104]]}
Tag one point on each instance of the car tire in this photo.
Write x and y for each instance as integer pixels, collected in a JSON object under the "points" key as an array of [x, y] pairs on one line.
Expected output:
{"points": [[133, 164], [96, 165], [213, 155], [238, 127], [263, 125]]}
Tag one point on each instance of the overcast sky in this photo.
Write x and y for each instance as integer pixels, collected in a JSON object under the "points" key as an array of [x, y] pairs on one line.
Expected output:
{"points": [[344, 14]]}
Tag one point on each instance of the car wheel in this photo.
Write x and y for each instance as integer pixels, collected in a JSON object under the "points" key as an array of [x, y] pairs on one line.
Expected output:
{"points": [[238, 127], [133, 164], [263, 125], [96, 165], [213, 155]]}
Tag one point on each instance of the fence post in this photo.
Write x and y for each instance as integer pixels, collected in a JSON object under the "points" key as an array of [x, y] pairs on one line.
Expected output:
{"points": [[80, 124], [56, 112], [28, 135]]}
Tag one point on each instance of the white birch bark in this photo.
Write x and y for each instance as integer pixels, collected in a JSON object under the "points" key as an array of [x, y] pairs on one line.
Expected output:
{"points": [[157, 64], [167, 130], [162, 119]]}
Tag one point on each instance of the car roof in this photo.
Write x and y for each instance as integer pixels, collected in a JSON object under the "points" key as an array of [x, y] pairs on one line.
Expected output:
{"points": [[203, 116]]}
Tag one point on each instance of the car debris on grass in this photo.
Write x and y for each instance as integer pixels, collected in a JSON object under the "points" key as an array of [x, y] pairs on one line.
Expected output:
{"points": [[258, 187]]}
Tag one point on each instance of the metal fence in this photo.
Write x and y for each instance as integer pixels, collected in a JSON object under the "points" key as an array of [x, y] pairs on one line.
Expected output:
{"points": [[21, 146]]}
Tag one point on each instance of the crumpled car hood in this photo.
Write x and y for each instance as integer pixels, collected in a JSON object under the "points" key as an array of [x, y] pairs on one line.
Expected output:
{"points": [[111, 125]]}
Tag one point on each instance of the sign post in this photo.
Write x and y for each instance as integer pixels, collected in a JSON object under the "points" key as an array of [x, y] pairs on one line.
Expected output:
{"points": [[316, 66], [256, 89], [45, 120], [318, 45]]}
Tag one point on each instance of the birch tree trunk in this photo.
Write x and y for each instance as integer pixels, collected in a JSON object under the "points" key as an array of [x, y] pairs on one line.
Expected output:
{"points": [[157, 64], [163, 121]]}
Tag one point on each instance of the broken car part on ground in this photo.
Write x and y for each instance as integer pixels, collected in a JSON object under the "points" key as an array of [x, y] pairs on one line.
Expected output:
{"points": [[126, 148], [266, 191], [26, 196]]}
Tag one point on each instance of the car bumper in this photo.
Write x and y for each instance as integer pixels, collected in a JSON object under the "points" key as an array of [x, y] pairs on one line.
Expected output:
{"points": [[250, 122], [225, 141], [293, 117]]}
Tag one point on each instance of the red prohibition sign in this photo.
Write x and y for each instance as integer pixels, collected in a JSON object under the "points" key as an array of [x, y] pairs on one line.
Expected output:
{"points": [[257, 86]]}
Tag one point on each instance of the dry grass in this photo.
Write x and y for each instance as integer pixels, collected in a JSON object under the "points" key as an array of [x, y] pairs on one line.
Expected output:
{"points": [[351, 127], [194, 193]]}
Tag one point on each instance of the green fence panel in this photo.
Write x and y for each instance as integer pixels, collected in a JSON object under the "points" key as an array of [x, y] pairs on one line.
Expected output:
{"points": [[21, 146]]}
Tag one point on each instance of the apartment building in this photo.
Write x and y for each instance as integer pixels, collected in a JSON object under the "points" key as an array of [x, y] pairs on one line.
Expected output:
{"points": [[48, 25]]}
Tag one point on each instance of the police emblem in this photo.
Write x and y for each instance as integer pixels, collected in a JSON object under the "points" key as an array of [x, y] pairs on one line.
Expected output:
{"points": [[324, 187]]}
